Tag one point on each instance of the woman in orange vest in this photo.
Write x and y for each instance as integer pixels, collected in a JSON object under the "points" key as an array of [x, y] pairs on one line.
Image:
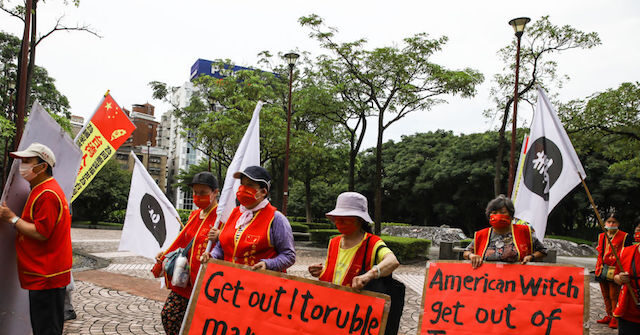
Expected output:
{"points": [[195, 233], [256, 234], [343, 265], [606, 266], [627, 311], [503, 241]]}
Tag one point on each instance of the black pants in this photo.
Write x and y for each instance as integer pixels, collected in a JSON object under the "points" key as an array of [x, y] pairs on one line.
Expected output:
{"points": [[627, 327], [46, 308]]}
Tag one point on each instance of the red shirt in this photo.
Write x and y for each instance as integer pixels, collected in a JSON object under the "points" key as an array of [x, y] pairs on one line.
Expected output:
{"points": [[626, 308], [45, 264]]}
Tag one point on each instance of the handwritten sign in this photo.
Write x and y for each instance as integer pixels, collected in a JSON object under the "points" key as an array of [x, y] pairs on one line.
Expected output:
{"points": [[503, 299], [229, 299]]}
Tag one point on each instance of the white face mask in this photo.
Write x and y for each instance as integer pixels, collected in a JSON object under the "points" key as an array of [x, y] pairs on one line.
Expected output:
{"points": [[26, 171]]}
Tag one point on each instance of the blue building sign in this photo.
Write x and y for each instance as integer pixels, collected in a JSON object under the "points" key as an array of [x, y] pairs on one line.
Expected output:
{"points": [[203, 67]]}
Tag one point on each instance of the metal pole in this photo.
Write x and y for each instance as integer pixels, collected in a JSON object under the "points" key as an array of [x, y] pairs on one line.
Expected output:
{"points": [[22, 81], [512, 156], [285, 188]]}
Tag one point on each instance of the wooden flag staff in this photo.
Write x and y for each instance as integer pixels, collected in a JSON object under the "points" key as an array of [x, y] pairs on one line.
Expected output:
{"points": [[613, 249]]}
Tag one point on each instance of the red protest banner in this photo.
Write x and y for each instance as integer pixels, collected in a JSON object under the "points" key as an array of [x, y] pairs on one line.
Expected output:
{"points": [[501, 298], [229, 299]]}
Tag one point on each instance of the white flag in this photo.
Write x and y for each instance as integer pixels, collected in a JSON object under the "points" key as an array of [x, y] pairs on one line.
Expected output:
{"points": [[151, 223], [550, 169], [247, 154]]}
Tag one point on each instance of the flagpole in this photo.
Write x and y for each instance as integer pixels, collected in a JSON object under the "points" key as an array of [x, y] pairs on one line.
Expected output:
{"points": [[615, 252]]}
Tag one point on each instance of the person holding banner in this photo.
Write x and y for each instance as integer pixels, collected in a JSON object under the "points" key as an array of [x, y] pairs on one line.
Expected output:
{"points": [[606, 267], [627, 311], [43, 240], [256, 234], [503, 241], [193, 238]]}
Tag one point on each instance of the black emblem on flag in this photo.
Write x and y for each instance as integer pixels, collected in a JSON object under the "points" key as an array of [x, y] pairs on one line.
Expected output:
{"points": [[153, 218], [542, 167]]}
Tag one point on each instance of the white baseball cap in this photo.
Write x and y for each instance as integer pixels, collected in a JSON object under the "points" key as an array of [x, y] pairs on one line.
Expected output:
{"points": [[36, 150]]}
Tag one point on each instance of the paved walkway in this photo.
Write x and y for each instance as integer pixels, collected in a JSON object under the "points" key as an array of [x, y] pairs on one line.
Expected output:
{"points": [[124, 298]]}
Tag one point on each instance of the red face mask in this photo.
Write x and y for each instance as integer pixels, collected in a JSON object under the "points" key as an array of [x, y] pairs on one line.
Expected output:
{"points": [[346, 226], [636, 236], [246, 195], [499, 220], [202, 201]]}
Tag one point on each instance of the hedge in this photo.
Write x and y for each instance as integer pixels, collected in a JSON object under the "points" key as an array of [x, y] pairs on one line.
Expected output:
{"points": [[321, 237], [299, 227], [117, 216], [391, 224], [571, 239], [313, 225], [407, 248]]}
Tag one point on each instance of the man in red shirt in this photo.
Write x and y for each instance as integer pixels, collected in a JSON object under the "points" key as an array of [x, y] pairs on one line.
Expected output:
{"points": [[43, 240]]}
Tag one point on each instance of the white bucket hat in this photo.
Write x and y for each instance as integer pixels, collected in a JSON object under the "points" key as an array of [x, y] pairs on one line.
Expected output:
{"points": [[351, 204]]}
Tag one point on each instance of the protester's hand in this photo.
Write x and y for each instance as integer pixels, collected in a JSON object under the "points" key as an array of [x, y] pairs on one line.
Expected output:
{"points": [[6, 214], [527, 259], [213, 235], [476, 260], [624, 277], [315, 269], [259, 266], [159, 257], [205, 258], [360, 281]]}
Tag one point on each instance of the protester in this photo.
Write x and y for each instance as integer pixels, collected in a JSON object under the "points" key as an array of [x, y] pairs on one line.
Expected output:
{"points": [[606, 267], [193, 237], [256, 234], [43, 240], [503, 241], [346, 251], [627, 311]]}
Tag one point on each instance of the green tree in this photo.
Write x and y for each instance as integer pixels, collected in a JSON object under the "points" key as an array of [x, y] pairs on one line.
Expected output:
{"points": [[397, 81], [540, 42], [107, 192]]}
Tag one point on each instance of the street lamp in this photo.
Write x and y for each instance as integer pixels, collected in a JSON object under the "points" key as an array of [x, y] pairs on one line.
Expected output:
{"points": [[149, 145], [518, 26], [291, 58]]}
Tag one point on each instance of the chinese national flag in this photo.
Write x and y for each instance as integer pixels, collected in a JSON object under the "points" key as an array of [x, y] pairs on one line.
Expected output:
{"points": [[112, 122]]}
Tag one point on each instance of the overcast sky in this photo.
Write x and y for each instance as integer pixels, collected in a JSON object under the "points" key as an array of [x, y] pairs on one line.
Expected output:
{"points": [[160, 40]]}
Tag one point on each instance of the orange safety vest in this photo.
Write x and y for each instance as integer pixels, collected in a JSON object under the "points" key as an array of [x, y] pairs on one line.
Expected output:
{"points": [[44, 265], [254, 242], [197, 230], [355, 268], [626, 308], [522, 239], [605, 254]]}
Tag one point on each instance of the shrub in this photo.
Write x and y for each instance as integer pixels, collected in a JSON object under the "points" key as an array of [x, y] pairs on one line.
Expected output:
{"points": [[407, 248], [320, 225], [464, 243], [299, 227], [572, 239], [184, 215], [117, 216], [321, 237]]}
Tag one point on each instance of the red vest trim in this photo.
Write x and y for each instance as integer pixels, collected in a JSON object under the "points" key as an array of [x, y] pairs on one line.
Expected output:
{"points": [[606, 255], [254, 242], [626, 308], [46, 264], [356, 262], [522, 240]]}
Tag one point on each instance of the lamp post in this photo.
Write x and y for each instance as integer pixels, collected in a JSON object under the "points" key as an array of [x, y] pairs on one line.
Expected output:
{"points": [[149, 145], [21, 99], [291, 58], [518, 26]]}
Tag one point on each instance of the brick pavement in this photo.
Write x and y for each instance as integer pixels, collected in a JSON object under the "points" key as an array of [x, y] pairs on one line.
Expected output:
{"points": [[104, 307]]}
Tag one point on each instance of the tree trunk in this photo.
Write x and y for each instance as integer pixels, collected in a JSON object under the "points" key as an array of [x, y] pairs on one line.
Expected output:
{"points": [[307, 199], [352, 169], [32, 54], [378, 181]]}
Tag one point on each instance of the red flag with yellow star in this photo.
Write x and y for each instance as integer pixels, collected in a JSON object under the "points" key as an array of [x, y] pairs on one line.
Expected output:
{"points": [[107, 130]]}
